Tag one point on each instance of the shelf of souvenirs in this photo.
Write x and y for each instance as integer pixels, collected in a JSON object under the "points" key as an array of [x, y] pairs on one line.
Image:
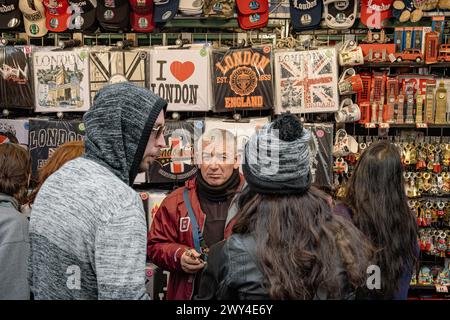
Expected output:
{"points": [[436, 288], [137, 39], [404, 65], [204, 22], [441, 195], [435, 225], [433, 274], [432, 197], [386, 125]]}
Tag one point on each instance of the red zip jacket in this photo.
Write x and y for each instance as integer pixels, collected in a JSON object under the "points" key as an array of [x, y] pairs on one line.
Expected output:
{"points": [[171, 234]]}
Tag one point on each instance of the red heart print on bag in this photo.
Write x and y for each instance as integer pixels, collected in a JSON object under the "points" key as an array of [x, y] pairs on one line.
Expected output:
{"points": [[182, 70]]}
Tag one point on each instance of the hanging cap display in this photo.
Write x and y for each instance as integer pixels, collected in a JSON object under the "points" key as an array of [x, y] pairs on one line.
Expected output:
{"points": [[113, 15], [252, 13], [83, 14], [374, 12], [219, 8], [306, 14], [191, 7], [33, 17], [141, 19], [340, 14], [57, 15], [10, 15], [165, 10]]}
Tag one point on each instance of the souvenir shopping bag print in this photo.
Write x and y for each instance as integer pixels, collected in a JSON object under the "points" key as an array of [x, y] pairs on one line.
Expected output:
{"points": [[46, 135], [61, 81], [321, 149], [18, 127], [16, 85], [151, 200], [242, 79], [306, 81], [182, 77], [175, 162], [112, 66]]}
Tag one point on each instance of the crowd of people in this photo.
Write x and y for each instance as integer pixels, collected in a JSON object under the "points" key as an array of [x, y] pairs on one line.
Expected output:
{"points": [[265, 233]]}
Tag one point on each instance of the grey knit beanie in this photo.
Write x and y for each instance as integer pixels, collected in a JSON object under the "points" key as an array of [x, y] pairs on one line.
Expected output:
{"points": [[118, 127], [277, 158]]}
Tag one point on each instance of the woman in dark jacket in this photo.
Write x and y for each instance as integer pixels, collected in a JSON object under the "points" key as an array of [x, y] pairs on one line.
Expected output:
{"points": [[15, 166], [286, 244], [376, 202]]}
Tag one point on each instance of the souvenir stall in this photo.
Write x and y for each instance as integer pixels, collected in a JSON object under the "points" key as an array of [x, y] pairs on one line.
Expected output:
{"points": [[354, 71]]}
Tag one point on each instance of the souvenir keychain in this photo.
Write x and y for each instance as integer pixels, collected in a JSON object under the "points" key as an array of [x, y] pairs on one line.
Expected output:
{"points": [[425, 276], [441, 245]]}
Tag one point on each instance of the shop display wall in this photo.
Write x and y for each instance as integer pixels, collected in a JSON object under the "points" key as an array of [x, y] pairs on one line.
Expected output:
{"points": [[342, 72]]}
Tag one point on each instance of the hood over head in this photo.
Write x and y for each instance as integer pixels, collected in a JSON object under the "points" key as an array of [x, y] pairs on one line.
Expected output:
{"points": [[118, 127]]}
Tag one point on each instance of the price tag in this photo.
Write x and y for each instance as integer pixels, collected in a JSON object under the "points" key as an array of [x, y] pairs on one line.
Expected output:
{"points": [[370, 125], [441, 289], [384, 125], [421, 125]]}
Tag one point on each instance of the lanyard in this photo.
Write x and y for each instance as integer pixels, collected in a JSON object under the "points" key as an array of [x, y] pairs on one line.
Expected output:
{"points": [[196, 234]]}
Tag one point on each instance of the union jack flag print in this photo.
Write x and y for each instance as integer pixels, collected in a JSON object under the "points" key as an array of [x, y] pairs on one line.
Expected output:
{"points": [[306, 81]]}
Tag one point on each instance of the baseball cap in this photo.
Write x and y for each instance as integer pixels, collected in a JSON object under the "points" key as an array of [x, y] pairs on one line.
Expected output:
{"points": [[165, 10], [10, 15], [252, 13], [305, 14], [191, 7], [113, 15], [252, 21], [340, 14], [141, 22], [56, 7], [141, 6], [141, 18], [33, 17], [252, 6], [57, 15], [374, 12], [84, 19], [219, 8]]}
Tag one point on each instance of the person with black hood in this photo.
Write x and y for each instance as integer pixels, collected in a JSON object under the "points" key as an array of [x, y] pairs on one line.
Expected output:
{"points": [[88, 230], [286, 242]]}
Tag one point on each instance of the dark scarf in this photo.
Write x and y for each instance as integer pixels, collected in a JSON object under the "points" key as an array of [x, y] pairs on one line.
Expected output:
{"points": [[219, 193]]}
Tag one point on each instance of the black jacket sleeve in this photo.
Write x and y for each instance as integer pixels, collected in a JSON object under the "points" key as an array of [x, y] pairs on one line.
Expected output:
{"points": [[212, 282]]}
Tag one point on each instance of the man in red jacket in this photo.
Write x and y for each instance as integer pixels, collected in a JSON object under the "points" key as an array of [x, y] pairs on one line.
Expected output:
{"points": [[196, 216]]}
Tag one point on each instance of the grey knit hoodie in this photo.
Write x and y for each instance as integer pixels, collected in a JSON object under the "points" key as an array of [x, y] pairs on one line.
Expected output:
{"points": [[87, 229]]}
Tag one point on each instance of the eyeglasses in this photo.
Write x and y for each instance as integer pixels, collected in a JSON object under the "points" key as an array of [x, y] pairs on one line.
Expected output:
{"points": [[159, 130]]}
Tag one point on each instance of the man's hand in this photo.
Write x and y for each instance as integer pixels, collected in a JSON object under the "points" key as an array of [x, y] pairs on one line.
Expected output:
{"points": [[191, 262]]}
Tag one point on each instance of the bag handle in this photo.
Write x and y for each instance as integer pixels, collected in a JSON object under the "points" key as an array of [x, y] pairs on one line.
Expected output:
{"points": [[345, 102], [349, 72], [341, 134], [349, 45]]}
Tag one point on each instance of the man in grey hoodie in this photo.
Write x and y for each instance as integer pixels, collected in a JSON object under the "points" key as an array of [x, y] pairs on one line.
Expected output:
{"points": [[87, 228]]}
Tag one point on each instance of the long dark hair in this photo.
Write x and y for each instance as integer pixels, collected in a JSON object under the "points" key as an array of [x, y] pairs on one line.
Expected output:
{"points": [[301, 246], [376, 195]]}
